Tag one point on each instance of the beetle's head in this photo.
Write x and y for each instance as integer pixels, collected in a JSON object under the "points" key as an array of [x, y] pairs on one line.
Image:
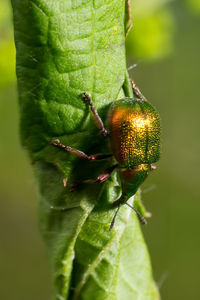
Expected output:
{"points": [[132, 178]]}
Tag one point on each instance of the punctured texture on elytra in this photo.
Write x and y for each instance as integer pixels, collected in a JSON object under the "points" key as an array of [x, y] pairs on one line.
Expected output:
{"points": [[134, 132]]}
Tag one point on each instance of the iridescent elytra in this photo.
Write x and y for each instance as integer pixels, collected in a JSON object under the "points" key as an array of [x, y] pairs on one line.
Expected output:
{"points": [[134, 138]]}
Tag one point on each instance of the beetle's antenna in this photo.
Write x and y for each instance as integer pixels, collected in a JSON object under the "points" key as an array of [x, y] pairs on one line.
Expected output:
{"points": [[113, 219], [132, 67], [141, 218]]}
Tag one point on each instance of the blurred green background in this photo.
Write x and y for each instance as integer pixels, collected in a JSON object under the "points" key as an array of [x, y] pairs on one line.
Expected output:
{"points": [[165, 42]]}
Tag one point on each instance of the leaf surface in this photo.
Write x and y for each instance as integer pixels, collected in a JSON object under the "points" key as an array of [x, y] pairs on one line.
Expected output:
{"points": [[65, 48]]}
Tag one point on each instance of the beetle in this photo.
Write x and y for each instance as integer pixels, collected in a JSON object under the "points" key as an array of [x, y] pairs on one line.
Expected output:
{"points": [[134, 138]]}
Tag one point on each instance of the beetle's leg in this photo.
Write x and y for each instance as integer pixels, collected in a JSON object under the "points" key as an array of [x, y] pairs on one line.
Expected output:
{"points": [[57, 143], [137, 92], [97, 119], [128, 17], [101, 178]]}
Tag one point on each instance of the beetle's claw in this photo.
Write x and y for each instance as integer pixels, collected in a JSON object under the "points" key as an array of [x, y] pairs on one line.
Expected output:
{"points": [[74, 187], [55, 142], [104, 132], [153, 168], [87, 98], [64, 182]]}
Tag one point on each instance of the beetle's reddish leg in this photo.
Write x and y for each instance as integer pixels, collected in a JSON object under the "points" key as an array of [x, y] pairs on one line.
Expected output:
{"points": [[137, 92], [97, 119], [57, 143], [101, 178]]}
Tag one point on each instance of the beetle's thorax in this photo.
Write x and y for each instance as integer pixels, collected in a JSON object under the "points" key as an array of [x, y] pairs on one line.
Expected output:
{"points": [[130, 173], [131, 179]]}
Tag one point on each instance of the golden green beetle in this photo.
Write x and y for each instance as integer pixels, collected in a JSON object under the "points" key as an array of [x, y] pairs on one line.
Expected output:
{"points": [[134, 136]]}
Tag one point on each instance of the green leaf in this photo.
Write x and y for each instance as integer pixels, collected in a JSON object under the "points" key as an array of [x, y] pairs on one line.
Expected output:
{"points": [[65, 48]]}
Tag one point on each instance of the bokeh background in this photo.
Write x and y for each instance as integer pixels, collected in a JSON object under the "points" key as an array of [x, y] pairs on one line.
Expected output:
{"points": [[165, 42]]}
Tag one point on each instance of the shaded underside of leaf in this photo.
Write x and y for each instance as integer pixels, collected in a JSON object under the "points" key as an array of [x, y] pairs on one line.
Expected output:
{"points": [[65, 48]]}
